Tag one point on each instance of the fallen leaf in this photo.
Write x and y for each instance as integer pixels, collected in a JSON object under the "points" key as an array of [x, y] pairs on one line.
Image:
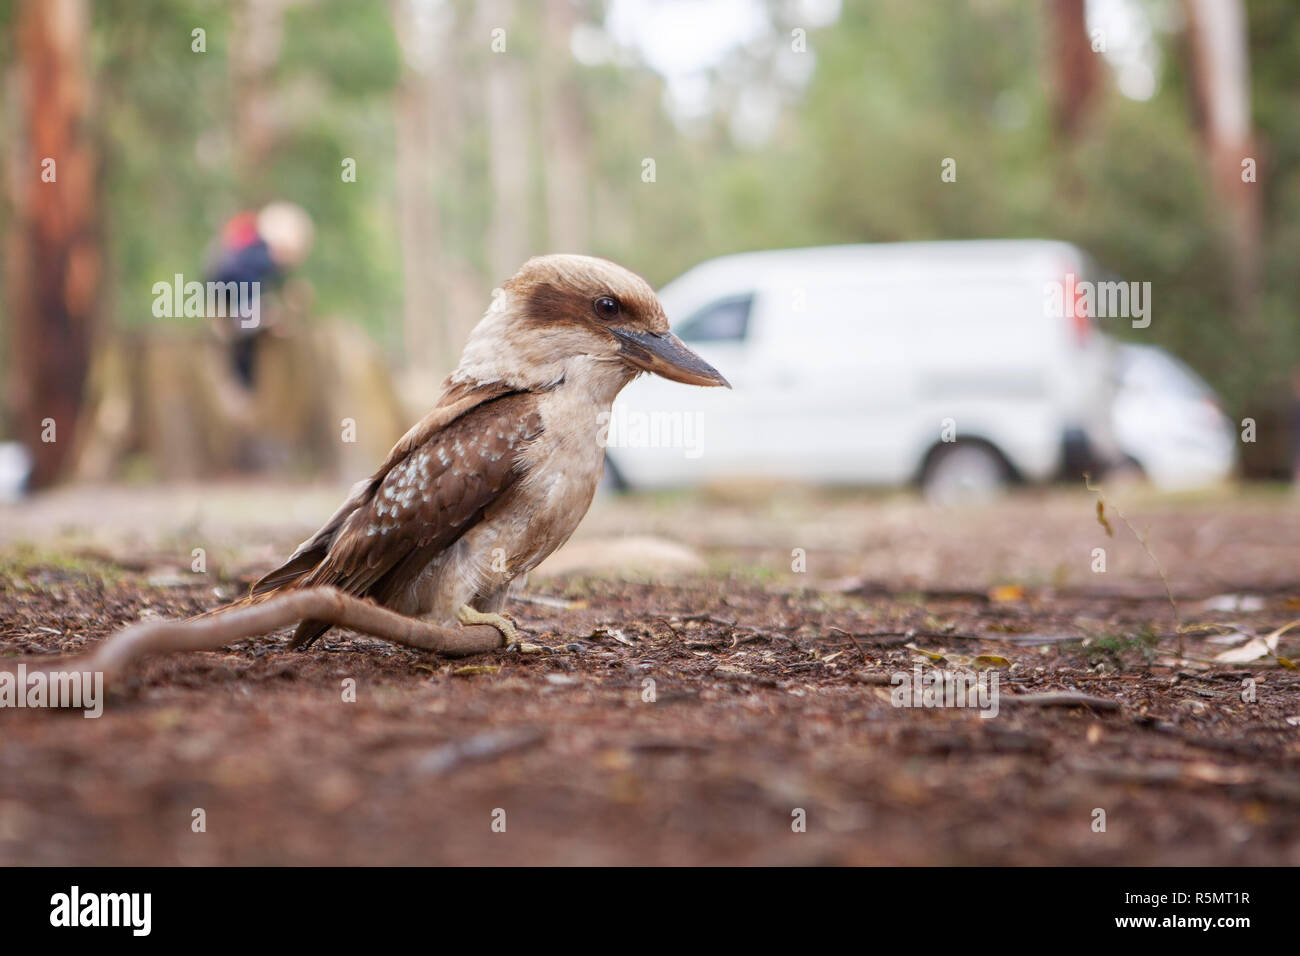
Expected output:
{"points": [[1259, 647], [1252, 650], [1279, 632], [1183, 663], [1101, 519], [471, 669], [1230, 639], [1007, 592], [1213, 773], [987, 661], [723, 670], [612, 633]]}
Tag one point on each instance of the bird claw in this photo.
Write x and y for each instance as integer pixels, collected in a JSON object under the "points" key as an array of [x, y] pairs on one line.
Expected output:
{"points": [[469, 617]]}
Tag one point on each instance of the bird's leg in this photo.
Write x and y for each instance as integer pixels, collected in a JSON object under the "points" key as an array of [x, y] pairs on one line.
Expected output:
{"points": [[469, 616]]}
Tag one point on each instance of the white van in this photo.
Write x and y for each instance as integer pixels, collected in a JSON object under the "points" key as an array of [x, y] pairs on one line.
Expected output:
{"points": [[939, 362]]}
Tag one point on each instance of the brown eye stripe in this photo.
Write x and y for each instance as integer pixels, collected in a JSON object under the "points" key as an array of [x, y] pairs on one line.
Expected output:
{"points": [[546, 303]]}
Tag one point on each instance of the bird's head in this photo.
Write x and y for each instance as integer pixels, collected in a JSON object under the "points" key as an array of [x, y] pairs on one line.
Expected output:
{"points": [[565, 314]]}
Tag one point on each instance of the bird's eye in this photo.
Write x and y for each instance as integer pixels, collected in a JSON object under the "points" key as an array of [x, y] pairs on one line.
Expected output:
{"points": [[606, 307]]}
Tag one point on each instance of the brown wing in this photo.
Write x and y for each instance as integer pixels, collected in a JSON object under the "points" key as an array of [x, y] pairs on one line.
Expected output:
{"points": [[455, 402], [435, 486]]}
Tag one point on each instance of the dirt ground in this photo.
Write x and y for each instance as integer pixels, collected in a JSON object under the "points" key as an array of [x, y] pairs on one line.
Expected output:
{"points": [[715, 706]]}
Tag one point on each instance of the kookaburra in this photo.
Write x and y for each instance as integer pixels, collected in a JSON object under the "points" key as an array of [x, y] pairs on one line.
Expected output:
{"points": [[500, 472]]}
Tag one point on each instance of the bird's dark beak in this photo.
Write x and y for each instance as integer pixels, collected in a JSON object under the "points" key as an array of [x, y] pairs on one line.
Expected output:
{"points": [[665, 354]]}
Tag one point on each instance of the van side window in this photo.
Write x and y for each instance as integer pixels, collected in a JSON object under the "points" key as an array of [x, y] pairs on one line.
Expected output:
{"points": [[726, 320]]}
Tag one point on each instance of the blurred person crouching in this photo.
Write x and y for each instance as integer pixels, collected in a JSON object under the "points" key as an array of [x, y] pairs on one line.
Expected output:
{"points": [[258, 251], [254, 257]]}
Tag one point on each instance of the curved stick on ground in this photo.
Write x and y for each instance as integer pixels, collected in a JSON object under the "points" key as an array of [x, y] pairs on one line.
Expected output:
{"points": [[224, 627]]}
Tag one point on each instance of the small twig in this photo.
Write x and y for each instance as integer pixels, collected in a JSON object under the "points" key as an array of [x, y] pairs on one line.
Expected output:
{"points": [[1142, 540], [544, 600], [479, 748], [879, 589], [755, 634], [909, 635], [705, 619], [1062, 699], [851, 638]]}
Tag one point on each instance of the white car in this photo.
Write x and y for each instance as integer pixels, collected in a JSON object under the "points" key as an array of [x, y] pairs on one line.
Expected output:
{"points": [[876, 364], [1170, 422]]}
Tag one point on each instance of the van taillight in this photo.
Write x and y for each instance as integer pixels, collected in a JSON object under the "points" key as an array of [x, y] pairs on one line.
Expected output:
{"points": [[1078, 309]]}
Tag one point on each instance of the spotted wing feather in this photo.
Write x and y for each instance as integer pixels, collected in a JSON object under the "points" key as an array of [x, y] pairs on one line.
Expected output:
{"points": [[418, 505]]}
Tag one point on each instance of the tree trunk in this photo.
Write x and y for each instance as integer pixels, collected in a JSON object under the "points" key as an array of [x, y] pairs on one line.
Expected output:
{"points": [[424, 319], [1074, 65], [564, 135], [509, 143], [1221, 78], [54, 245]]}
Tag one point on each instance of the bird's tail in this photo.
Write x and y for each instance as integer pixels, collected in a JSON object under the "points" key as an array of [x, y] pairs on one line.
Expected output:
{"points": [[307, 631], [247, 601]]}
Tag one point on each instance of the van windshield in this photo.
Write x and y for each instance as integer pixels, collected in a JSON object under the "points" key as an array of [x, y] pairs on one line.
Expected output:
{"points": [[726, 320]]}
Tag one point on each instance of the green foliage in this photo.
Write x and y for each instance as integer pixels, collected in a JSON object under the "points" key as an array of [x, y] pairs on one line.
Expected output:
{"points": [[1119, 650]]}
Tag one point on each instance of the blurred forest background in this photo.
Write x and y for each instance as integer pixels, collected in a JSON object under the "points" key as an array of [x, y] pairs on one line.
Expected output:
{"points": [[1119, 125]]}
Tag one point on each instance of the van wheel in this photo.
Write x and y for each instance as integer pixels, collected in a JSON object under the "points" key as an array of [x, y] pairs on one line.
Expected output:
{"points": [[964, 473]]}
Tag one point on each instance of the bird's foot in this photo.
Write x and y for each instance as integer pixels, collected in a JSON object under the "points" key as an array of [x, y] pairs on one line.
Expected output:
{"points": [[468, 616]]}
